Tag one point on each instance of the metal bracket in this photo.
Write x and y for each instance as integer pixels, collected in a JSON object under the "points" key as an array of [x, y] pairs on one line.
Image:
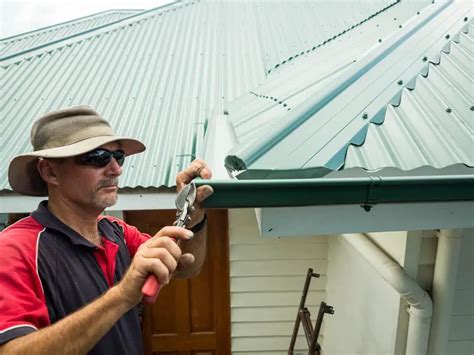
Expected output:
{"points": [[372, 193]]}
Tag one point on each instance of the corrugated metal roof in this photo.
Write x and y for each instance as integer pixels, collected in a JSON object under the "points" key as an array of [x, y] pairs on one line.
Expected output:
{"points": [[43, 36], [160, 75], [305, 77], [334, 111], [434, 123]]}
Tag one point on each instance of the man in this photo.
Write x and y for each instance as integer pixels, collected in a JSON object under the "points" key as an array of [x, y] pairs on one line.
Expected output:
{"points": [[70, 279]]}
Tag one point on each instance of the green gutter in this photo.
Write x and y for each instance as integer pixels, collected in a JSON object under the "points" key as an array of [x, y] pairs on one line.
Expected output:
{"points": [[361, 191]]}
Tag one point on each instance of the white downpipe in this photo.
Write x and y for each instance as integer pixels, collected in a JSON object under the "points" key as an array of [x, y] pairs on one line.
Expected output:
{"points": [[444, 286], [421, 306]]}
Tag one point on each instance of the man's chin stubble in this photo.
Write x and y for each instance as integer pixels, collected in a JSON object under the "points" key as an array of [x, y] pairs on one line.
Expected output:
{"points": [[104, 202]]}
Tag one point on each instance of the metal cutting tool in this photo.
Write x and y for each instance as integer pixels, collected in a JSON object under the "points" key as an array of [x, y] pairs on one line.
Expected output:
{"points": [[184, 204]]}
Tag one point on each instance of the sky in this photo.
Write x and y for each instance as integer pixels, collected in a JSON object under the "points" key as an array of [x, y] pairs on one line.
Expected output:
{"points": [[18, 16]]}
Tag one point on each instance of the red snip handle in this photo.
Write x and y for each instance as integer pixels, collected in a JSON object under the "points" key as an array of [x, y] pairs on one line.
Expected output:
{"points": [[150, 289]]}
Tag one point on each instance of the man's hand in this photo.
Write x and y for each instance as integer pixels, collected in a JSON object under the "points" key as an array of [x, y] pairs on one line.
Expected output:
{"points": [[159, 256], [194, 250], [198, 168]]}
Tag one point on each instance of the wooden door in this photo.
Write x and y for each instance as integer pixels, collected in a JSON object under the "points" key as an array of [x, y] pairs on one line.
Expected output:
{"points": [[190, 317]]}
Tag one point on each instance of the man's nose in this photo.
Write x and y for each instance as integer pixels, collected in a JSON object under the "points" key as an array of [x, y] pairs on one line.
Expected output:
{"points": [[113, 168]]}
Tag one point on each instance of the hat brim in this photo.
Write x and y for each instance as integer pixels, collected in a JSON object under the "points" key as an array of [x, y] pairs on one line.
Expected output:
{"points": [[25, 179]]}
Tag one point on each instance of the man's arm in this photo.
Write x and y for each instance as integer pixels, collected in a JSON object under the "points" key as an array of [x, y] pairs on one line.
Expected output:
{"points": [[75, 334], [80, 331], [194, 250]]}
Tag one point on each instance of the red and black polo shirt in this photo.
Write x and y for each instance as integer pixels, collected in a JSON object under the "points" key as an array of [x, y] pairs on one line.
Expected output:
{"points": [[49, 271]]}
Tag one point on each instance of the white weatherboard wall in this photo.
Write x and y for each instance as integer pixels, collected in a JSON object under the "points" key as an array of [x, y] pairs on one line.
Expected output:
{"points": [[266, 281], [461, 334], [366, 307]]}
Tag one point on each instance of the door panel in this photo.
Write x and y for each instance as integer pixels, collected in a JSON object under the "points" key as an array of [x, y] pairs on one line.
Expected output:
{"points": [[190, 317]]}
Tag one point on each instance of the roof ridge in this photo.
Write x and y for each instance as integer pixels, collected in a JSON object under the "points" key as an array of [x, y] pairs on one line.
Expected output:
{"points": [[281, 102], [101, 27], [28, 34], [276, 66]]}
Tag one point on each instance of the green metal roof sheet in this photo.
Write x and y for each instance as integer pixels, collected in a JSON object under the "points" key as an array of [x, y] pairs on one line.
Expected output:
{"points": [[161, 74], [311, 138], [434, 124], [43, 36], [305, 77]]}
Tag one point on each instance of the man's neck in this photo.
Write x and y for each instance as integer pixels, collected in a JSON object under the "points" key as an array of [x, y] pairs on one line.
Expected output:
{"points": [[83, 220]]}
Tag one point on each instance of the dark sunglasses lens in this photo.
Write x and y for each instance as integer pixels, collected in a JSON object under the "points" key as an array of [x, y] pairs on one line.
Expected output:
{"points": [[101, 157], [119, 155]]}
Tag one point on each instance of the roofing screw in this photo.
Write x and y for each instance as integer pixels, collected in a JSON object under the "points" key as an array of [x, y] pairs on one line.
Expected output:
{"points": [[448, 110], [399, 26], [365, 115], [380, 40], [366, 208], [400, 82], [418, 13], [447, 37], [471, 108], [465, 19], [425, 59]]}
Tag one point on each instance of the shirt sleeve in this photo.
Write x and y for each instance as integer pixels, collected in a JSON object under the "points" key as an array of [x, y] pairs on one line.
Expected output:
{"points": [[133, 237], [23, 307]]}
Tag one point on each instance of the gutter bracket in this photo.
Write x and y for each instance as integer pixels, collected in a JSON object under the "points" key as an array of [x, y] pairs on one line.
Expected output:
{"points": [[372, 193]]}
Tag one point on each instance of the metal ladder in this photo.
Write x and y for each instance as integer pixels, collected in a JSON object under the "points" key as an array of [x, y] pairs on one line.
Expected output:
{"points": [[304, 317]]}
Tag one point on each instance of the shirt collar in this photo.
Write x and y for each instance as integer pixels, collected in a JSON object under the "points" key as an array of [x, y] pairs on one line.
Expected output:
{"points": [[44, 216]]}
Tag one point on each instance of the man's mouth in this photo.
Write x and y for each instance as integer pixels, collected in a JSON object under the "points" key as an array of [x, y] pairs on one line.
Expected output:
{"points": [[109, 185]]}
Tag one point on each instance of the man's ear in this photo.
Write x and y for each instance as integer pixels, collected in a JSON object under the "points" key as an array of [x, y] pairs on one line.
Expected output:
{"points": [[48, 171]]}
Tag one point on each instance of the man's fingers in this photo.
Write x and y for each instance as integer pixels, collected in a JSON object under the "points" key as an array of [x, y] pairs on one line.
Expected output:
{"points": [[185, 261], [168, 257], [198, 168], [174, 232], [159, 269], [203, 192]]}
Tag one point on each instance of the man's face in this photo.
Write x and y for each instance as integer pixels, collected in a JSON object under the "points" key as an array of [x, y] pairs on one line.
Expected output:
{"points": [[87, 185]]}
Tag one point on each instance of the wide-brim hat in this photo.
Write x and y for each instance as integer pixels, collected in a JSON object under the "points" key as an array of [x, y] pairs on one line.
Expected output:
{"points": [[63, 133]]}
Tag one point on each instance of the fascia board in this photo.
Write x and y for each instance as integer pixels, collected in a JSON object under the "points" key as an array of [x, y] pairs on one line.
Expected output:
{"points": [[127, 201], [338, 219]]}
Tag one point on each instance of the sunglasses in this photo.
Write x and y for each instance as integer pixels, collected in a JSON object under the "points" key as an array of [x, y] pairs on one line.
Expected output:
{"points": [[100, 157]]}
